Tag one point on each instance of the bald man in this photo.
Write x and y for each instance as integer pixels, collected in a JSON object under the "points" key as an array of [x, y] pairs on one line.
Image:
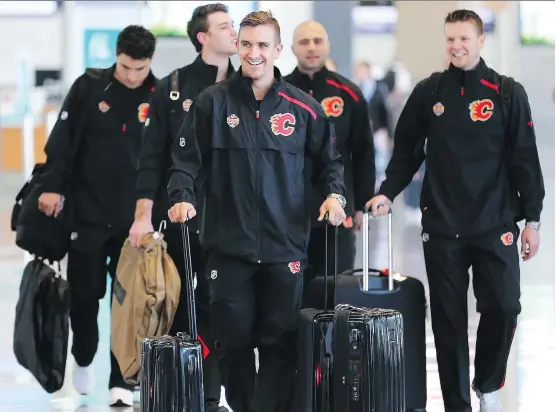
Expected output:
{"points": [[343, 102]]}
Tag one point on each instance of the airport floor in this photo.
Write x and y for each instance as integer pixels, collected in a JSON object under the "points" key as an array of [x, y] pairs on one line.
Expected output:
{"points": [[532, 361]]}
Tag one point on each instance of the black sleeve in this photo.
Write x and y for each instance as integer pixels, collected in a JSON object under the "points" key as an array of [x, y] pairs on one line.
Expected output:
{"points": [[59, 148], [187, 150], [328, 165], [525, 169], [156, 141], [408, 136], [361, 145]]}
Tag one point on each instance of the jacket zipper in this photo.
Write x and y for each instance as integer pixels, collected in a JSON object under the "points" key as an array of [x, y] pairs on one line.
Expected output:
{"points": [[257, 190]]}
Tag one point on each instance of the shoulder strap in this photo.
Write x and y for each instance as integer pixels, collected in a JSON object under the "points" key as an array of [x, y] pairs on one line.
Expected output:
{"points": [[174, 85], [506, 91]]}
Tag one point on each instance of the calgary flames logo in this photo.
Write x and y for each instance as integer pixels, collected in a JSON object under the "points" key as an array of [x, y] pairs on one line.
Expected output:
{"points": [[142, 112], [507, 239], [295, 267], [333, 106], [481, 110], [283, 124]]}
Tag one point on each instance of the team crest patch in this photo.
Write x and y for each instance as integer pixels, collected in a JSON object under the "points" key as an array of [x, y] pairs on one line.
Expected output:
{"points": [[282, 124], [295, 267], [187, 104], [232, 120], [507, 239], [143, 112], [103, 107], [438, 109], [333, 106], [481, 110]]}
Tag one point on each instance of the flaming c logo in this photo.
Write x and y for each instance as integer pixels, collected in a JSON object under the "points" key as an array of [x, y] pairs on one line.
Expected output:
{"points": [[295, 267], [507, 239], [333, 106], [481, 110], [142, 112], [282, 124]]}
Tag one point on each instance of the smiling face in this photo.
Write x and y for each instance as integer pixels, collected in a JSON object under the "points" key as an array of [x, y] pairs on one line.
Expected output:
{"points": [[464, 43], [221, 36], [258, 47]]}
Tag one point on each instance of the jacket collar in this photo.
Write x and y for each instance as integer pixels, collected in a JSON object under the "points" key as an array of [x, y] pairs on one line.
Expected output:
{"points": [[207, 72], [108, 76], [477, 73], [243, 84], [304, 79]]}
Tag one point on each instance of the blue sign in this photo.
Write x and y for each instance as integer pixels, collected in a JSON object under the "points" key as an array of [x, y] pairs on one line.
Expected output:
{"points": [[99, 50]]}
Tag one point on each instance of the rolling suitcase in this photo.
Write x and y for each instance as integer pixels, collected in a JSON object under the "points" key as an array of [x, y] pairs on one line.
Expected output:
{"points": [[349, 359], [382, 290], [171, 366]]}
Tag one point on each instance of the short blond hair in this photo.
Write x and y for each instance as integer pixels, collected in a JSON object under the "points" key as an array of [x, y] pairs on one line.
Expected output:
{"points": [[260, 18]]}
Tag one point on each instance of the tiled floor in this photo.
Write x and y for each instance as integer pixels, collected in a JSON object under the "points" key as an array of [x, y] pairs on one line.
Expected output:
{"points": [[533, 360]]}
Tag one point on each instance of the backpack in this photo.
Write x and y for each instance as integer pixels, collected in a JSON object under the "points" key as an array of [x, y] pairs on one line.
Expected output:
{"points": [[36, 233], [505, 86]]}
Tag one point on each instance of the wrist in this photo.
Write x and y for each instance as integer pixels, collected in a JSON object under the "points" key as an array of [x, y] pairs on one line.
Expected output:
{"points": [[341, 199], [536, 225], [143, 209]]}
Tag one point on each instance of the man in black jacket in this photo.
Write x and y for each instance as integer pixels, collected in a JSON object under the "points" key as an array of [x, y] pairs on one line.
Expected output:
{"points": [[214, 37], [344, 104], [483, 176], [99, 180], [246, 140]]}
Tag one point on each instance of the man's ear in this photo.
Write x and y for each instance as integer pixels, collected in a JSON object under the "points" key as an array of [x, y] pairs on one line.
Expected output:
{"points": [[279, 48]]}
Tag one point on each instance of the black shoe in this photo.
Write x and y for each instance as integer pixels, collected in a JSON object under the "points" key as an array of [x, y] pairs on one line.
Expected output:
{"points": [[213, 407]]}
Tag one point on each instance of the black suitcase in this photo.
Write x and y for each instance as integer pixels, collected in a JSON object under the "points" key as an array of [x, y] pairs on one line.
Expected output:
{"points": [[382, 290], [349, 360], [172, 366]]}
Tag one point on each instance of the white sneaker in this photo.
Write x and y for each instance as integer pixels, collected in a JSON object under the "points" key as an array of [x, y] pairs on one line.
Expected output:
{"points": [[83, 379], [489, 402], [120, 397]]}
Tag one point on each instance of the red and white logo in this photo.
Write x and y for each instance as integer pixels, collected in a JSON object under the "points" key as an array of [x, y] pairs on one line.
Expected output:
{"points": [[295, 267], [481, 110], [232, 120], [143, 112], [333, 106], [507, 239], [187, 104], [283, 124]]}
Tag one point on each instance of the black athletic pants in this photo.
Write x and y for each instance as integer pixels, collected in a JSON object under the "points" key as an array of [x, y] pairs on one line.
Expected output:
{"points": [[87, 270], [256, 305], [494, 259]]}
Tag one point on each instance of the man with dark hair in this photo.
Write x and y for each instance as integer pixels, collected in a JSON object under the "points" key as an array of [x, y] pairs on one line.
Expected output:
{"points": [[482, 177], [103, 117], [344, 104], [246, 140], [212, 33]]}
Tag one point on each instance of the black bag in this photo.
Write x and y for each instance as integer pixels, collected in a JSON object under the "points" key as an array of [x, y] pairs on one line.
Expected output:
{"points": [[172, 366], [41, 329], [382, 290], [349, 359], [40, 235]]}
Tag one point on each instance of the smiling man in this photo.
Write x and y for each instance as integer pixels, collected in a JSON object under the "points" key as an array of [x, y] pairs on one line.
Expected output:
{"points": [[482, 177], [246, 139], [91, 158]]}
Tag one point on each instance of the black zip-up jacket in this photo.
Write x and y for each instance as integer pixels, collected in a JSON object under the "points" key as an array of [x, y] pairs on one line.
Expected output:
{"points": [[101, 177], [166, 116], [480, 174], [344, 104], [251, 161]]}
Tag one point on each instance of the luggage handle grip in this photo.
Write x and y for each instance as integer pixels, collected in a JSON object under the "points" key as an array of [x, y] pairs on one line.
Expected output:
{"points": [[326, 263], [365, 230]]}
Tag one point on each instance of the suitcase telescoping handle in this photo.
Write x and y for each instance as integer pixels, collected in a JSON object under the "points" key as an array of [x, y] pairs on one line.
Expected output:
{"points": [[326, 264], [365, 230], [189, 282]]}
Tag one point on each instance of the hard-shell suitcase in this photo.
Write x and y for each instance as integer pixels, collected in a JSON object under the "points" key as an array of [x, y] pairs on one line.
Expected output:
{"points": [[172, 366], [383, 290], [349, 360]]}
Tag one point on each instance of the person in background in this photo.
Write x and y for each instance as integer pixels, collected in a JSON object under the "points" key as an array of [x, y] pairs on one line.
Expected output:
{"points": [[344, 104], [376, 95], [212, 32], [102, 189], [247, 139], [483, 176]]}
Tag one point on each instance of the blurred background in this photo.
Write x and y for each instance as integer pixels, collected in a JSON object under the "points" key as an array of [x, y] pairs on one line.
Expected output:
{"points": [[46, 45]]}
